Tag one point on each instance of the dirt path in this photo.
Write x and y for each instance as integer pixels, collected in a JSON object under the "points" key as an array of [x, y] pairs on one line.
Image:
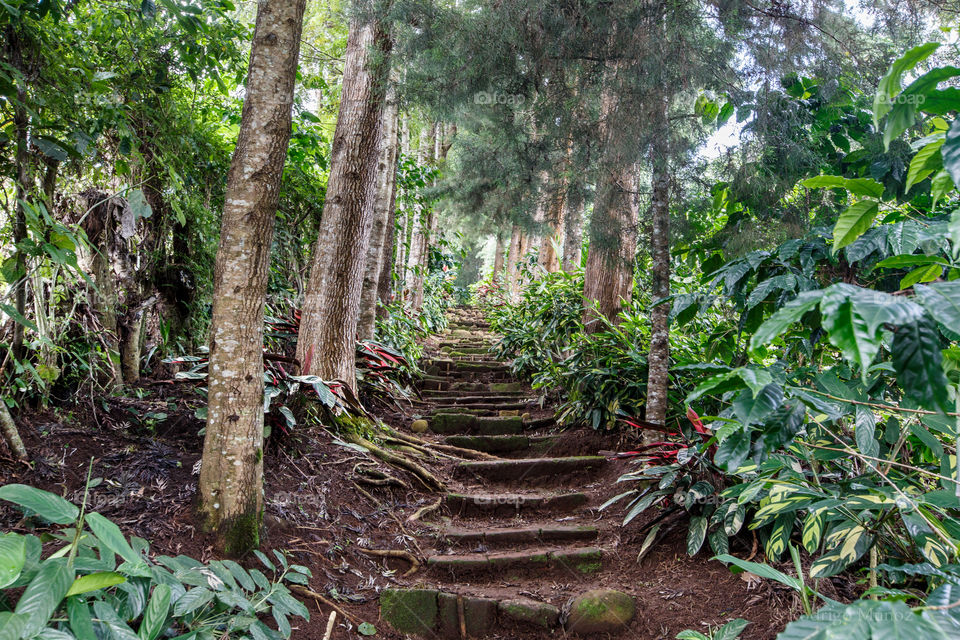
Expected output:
{"points": [[518, 548]]}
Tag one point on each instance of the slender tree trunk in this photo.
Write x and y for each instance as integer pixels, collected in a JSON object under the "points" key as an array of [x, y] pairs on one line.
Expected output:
{"points": [[609, 271], [326, 345], [420, 253], [497, 274], [513, 262], [382, 219], [10, 433], [573, 225], [391, 247], [231, 474], [21, 123], [658, 360]]}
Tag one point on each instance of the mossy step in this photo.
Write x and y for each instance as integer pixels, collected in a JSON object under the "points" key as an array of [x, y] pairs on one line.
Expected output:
{"points": [[521, 535], [581, 560], [459, 423], [502, 444], [462, 349], [508, 505], [482, 393], [453, 400], [433, 614], [493, 387], [528, 468]]}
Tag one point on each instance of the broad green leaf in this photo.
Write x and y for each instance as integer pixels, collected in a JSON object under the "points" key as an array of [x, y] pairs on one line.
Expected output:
{"points": [[813, 527], [781, 320], [12, 625], [924, 163], [13, 555], [109, 534], [733, 451], [942, 301], [927, 273], [890, 83], [951, 152], [762, 570], [95, 582], [900, 262], [108, 616], [696, 534], [752, 408], [848, 330], [917, 359], [733, 520], [940, 185], [44, 594], [863, 187], [47, 505], [192, 600], [366, 629], [844, 546], [853, 222], [731, 630], [953, 228], [81, 622], [866, 429]]}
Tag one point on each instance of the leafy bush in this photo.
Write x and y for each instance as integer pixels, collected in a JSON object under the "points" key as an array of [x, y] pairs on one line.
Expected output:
{"points": [[78, 590]]}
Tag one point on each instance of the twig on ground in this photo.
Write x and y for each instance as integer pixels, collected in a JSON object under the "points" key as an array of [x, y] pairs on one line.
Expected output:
{"points": [[304, 591], [422, 511], [394, 553]]}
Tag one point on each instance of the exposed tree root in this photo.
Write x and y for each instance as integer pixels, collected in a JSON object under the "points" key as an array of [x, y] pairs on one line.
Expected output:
{"points": [[363, 472], [10, 433], [445, 448], [427, 478], [394, 553], [316, 596], [422, 511]]}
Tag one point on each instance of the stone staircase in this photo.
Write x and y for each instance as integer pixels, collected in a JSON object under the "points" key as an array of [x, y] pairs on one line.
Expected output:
{"points": [[516, 552]]}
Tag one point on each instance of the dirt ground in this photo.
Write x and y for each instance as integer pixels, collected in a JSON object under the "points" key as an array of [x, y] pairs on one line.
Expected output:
{"points": [[319, 515]]}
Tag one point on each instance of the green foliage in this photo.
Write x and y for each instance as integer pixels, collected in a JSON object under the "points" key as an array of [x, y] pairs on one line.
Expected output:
{"points": [[79, 591]]}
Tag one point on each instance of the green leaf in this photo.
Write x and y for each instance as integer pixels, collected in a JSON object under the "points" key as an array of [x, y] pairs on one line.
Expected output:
{"points": [[44, 594], [863, 187], [924, 163], [47, 505], [781, 320], [762, 570], [366, 629], [81, 622], [848, 331], [917, 359], [138, 204], [108, 616], [731, 630], [845, 545], [942, 301], [854, 222], [696, 534], [921, 274], [812, 531], [95, 582], [109, 534], [752, 409], [890, 83], [733, 451], [940, 185], [12, 625], [192, 600], [951, 152], [866, 429], [900, 262], [13, 555]]}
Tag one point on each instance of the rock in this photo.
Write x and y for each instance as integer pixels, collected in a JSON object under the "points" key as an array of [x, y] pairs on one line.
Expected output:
{"points": [[600, 611], [419, 426], [538, 613], [479, 616], [411, 611]]}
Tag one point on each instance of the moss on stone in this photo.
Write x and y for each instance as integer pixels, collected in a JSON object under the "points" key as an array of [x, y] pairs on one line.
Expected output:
{"points": [[412, 611]]}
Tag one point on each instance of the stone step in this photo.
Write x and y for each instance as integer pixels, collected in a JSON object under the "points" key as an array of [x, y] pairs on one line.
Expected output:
{"points": [[517, 536], [464, 349], [502, 444], [508, 505], [483, 397], [528, 468], [460, 423], [432, 614], [453, 407], [571, 560], [474, 395]]}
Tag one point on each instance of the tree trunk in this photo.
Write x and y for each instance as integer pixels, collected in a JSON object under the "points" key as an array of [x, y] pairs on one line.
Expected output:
{"points": [[423, 223], [497, 274], [513, 262], [231, 474], [326, 345], [658, 360], [382, 220], [391, 246], [613, 241], [10, 433], [572, 216], [21, 123]]}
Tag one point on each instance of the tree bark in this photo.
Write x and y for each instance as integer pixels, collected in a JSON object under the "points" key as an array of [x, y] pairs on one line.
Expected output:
{"points": [[497, 274], [658, 359], [613, 242], [423, 223], [382, 219], [391, 246], [513, 262], [231, 473], [326, 345], [21, 123]]}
